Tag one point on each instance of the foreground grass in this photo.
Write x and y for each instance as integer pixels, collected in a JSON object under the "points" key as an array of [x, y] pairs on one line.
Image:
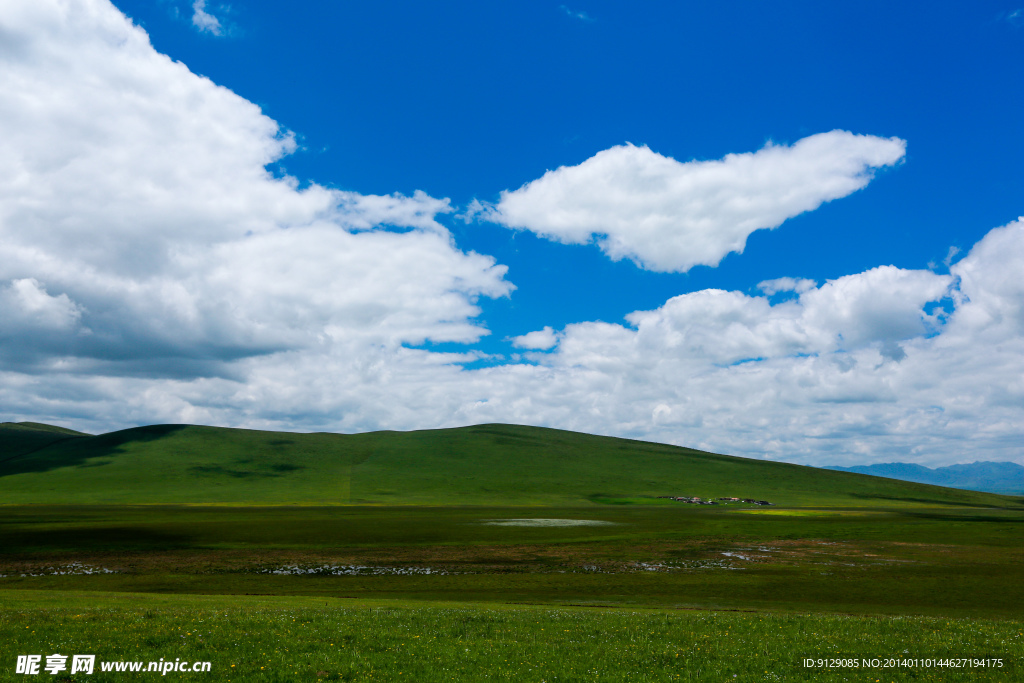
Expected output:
{"points": [[305, 639]]}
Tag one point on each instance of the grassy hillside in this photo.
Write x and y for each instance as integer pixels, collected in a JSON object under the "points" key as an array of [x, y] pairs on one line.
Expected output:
{"points": [[21, 438], [479, 465]]}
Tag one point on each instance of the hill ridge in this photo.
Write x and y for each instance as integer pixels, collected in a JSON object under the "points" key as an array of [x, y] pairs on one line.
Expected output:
{"points": [[484, 464]]}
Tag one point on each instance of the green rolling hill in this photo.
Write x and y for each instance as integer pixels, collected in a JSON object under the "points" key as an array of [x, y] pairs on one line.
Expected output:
{"points": [[18, 440], [479, 465]]}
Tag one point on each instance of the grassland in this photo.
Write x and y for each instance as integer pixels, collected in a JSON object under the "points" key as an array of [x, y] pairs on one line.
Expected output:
{"points": [[479, 465], [394, 556], [942, 562], [272, 639]]}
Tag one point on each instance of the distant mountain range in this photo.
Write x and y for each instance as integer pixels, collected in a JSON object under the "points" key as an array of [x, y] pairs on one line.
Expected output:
{"points": [[992, 477]]}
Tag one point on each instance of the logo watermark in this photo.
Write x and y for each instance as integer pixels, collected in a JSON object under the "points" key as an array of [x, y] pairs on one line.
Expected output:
{"points": [[34, 665]]}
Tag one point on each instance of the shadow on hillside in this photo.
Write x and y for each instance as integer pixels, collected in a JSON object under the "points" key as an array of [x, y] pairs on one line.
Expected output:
{"points": [[84, 451], [909, 499], [18, 440], [954, 517], [272, 470]]}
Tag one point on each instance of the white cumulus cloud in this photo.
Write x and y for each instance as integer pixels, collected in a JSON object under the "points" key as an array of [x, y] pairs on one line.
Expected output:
{"points": [[538, 339], [668, 215], [860, 369], [137, 213], [152, 270], [26, 302]]}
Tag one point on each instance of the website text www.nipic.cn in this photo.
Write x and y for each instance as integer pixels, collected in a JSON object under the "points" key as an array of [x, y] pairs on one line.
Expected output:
{"points": [[33, 665]]}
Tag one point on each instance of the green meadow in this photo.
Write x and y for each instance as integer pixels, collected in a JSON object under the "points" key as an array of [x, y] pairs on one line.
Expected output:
{"points": [[480, 465], [491, 552], [269, 639]]}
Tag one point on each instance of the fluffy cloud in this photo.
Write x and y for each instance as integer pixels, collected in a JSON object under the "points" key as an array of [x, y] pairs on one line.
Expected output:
{"points": [[991, 293], [671, 216], [855, 370], [28, 311], [152, 270], [883, 305], [539, 339], [137, 217]]}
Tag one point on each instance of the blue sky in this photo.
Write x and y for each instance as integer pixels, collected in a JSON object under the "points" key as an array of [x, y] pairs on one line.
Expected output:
{"points": [[465, 99], [352, 216]]}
